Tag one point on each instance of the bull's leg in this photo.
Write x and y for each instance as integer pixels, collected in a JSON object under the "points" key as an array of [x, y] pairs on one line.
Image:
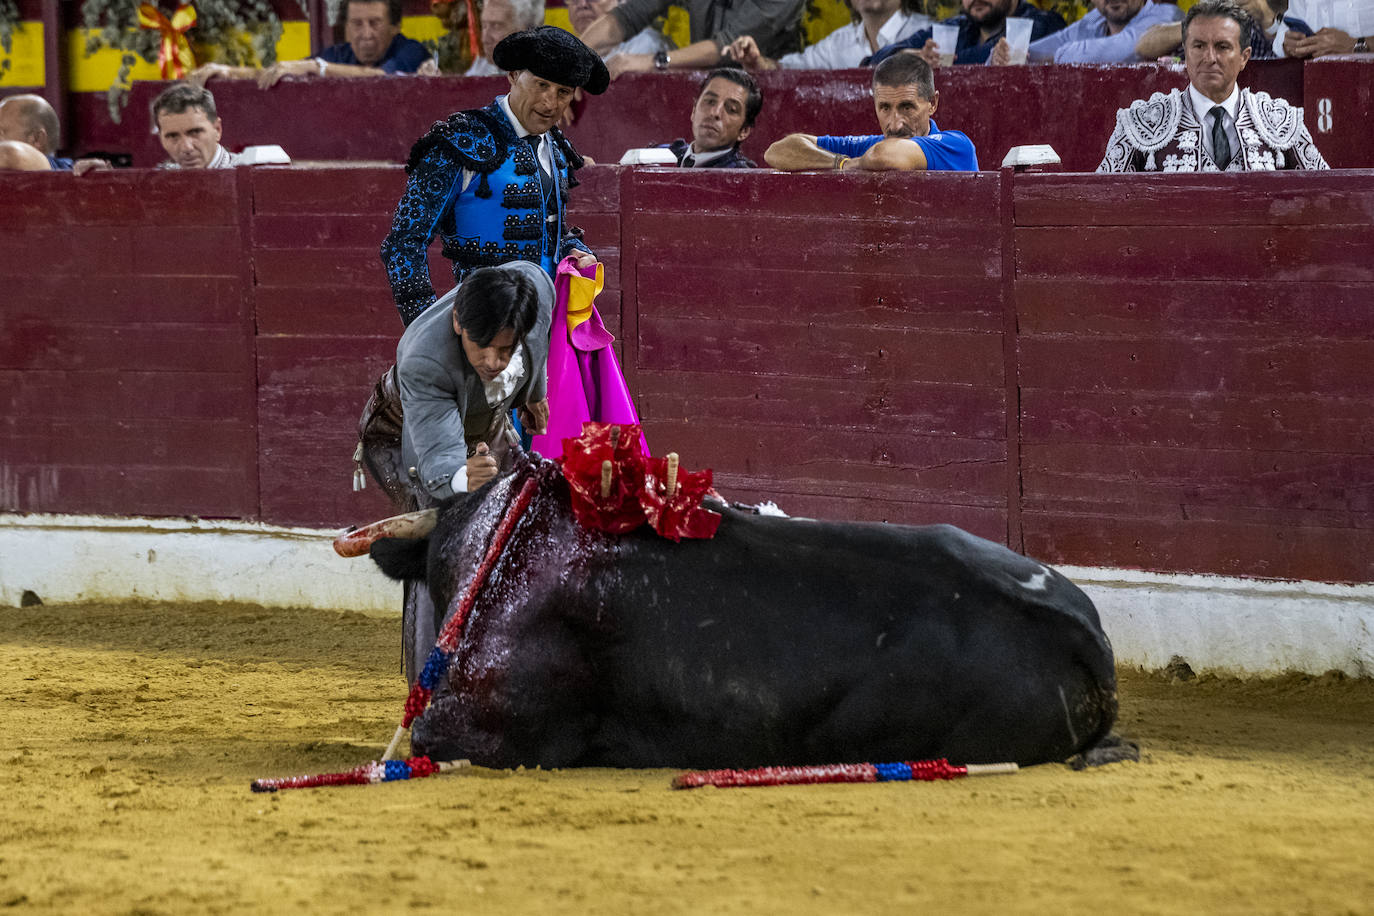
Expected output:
{"points": [[419, 627]]}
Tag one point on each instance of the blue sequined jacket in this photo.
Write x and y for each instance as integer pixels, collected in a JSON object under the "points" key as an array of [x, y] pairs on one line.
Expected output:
{"points": [[500, 216]]}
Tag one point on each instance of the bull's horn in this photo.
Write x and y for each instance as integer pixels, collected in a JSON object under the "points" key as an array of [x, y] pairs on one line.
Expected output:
{"points": [[615, 437], [606, 479], [672, 474], [411, 526]]}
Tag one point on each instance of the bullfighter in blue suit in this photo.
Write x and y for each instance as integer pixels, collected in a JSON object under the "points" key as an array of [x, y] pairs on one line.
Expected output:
{"points": [[493, 182]]}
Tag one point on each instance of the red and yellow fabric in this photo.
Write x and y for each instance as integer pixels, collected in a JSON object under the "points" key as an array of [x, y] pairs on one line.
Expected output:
{"points": [[175, 55]]}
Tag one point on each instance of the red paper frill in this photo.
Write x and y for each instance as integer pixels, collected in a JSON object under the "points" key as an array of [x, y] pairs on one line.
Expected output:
{"points": [[680, 514], [619, 511], [638, 491]]}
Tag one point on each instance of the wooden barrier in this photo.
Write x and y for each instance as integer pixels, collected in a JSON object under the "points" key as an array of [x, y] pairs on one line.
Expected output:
{"points": [[1162, 372], [126, 345]]}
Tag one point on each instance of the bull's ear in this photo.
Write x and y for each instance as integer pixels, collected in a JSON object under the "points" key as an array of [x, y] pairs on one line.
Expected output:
{"points": [[401, 559]]}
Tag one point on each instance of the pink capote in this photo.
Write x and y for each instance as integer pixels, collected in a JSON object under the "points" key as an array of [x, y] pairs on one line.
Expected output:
{"points": [[585, 382]]}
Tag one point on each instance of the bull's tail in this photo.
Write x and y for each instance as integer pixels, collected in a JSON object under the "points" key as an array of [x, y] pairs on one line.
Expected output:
{"points": [[401, 558]]}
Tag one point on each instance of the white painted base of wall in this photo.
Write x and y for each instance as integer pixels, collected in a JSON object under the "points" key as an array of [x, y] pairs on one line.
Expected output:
{"points": [[1236, 626], [70, 559], [1233, 626]]}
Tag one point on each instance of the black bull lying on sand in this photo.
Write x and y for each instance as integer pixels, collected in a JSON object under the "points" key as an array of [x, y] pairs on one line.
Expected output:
{"points": [[778, 641]]}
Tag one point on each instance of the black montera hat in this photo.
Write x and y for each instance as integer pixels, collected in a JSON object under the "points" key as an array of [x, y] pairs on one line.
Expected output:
{"points": [[555, 55]]}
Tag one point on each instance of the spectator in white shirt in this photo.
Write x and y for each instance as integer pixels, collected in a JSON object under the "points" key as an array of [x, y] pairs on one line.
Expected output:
{"points": [[649, 40], [877, 24], [499, 19], [1342, 27]]}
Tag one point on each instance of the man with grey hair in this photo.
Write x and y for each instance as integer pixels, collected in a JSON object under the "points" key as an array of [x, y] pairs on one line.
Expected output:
{"points": [[1213, 125], [499, 19], [30, 119], [904, 100]]}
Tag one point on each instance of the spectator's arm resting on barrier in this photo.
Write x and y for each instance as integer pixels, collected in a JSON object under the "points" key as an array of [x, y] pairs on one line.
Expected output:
{"points": [[893, 154], [799, 153], [206, 72], [82, 166], [1160, 40]]}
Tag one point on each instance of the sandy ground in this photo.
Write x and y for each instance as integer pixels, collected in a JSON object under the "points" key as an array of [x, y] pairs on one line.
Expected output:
{"points": [[130, 735]]}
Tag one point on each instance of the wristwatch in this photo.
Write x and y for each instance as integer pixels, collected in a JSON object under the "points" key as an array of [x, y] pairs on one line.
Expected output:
{"points": [[1361, 46], [661, 60]]}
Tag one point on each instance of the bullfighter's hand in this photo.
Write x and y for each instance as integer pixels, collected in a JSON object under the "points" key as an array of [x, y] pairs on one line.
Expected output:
{"points": [[481, 468], [534, 416], [585, 259], [1001, 53]]}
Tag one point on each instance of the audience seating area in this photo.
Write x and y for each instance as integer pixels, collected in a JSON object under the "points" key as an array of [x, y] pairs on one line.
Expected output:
{"points": [[1072, 108]]}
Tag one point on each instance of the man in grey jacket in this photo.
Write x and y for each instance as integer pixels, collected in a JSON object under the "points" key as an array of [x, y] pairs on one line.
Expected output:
{"points": [[462, 366], [775, 26]]}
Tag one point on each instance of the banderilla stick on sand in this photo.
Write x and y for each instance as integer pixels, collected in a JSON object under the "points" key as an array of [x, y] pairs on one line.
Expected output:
{"points": [[377, 771], [925, 770], [445, 648]]}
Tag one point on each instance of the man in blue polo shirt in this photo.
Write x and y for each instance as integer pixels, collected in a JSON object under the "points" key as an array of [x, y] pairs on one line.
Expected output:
{"points": [[904, 98]]}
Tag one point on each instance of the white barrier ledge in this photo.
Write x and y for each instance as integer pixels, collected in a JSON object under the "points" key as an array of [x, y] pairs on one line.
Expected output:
{"points": [[1233, 626], [1237, 626], [67, 559]]}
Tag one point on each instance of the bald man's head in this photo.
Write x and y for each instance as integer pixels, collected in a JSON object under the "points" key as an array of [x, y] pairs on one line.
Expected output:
{"points": [[30, 119]]}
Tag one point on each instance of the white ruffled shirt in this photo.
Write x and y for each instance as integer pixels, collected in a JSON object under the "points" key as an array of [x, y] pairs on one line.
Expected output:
{"points": [[497, 390]]}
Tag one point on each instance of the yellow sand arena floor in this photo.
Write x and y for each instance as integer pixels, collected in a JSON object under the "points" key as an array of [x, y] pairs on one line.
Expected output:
{"points": [[129, 736]]}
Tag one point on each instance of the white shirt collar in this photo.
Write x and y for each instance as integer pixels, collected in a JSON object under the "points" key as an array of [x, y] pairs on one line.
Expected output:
{"points": [[1202, 105], [510, 116], [700, 159], [890, 30]]}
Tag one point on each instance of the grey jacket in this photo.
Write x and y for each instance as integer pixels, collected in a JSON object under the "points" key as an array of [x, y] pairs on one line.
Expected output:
{"points": [[446, 412], [774, 24]]}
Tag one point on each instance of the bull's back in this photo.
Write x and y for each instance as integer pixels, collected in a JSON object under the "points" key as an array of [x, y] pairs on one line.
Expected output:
{"points": [[789, 641]]}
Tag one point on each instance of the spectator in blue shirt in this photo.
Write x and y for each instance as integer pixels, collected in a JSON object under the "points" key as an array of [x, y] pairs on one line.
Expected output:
{"points": [[904, 99], [982, 24], [1107, 35], [373, 46]]}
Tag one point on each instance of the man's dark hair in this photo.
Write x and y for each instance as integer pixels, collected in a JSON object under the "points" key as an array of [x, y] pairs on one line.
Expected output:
{"points": [[909, 69], [753, 100], [1220, 9], [491, 299], [393, 10], [182, 97]]}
